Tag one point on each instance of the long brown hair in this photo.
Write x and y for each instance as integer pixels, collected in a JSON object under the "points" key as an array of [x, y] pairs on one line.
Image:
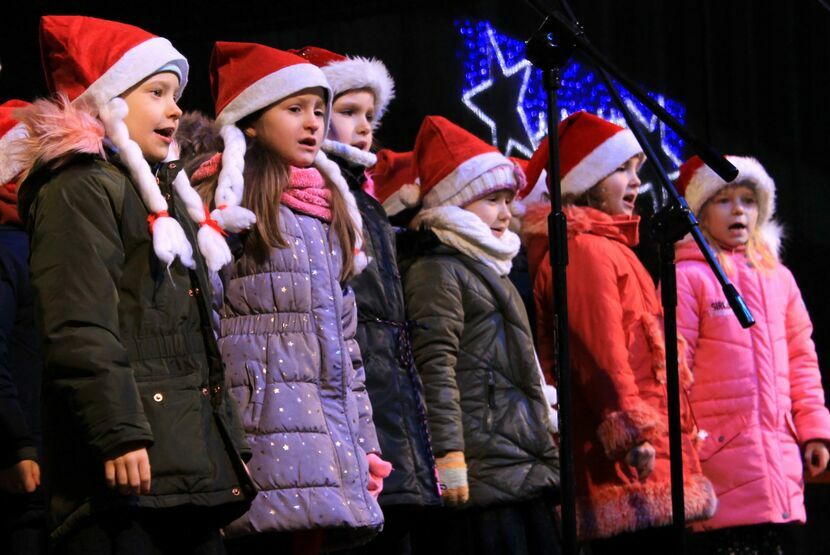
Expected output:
{"points": [[266, 177]]}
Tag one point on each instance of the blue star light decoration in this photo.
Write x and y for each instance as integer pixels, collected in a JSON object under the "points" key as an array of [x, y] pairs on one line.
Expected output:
{"points": [[506, 92]]}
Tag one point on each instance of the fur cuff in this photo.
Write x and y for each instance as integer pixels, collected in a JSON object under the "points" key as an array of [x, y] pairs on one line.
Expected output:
{"points": [[622, 430], [613, 510]]}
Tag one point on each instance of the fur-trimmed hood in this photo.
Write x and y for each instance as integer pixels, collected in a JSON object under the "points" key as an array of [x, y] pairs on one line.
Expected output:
{"points": [[56, 132], [59, 131]]}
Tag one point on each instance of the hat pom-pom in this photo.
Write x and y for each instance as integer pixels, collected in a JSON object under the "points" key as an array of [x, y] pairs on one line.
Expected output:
{"points": [[410, 195], [519, 175], [213, 247], [234, 218], [169, 241]]}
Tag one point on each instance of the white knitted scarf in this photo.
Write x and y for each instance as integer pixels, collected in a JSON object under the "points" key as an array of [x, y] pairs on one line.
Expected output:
{"points": [[466, 232]]}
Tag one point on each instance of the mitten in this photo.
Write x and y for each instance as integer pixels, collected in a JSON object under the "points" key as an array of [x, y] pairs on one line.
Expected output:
{"points": [[452, 471], [378, 470]]}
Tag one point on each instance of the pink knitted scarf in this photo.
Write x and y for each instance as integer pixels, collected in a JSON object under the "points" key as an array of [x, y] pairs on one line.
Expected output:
{"points": [[308, 194]]}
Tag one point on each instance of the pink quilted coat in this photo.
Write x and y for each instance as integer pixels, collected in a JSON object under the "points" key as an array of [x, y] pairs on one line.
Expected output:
{"points": [[757, 393]]}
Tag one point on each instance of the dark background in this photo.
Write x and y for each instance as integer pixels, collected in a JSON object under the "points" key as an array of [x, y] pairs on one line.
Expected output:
{"points": [[753, 75]]}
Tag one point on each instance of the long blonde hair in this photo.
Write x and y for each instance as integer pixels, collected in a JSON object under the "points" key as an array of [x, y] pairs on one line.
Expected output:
{"points": [[266, 177]]}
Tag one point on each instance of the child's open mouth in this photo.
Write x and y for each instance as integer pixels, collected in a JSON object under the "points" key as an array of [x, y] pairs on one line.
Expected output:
{"points": [[737, 226], [310, 142], [629, 198], [166, 134]]}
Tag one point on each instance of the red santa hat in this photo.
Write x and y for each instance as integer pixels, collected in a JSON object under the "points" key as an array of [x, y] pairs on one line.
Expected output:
{"points": [[392, 171], [590, 149], [456, 168], [353, 72], [245, 78], [91, 62], [94, 60], [11, 133], [698, 183]]}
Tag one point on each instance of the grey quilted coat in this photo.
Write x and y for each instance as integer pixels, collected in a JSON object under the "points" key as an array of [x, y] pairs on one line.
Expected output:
{"points": [[287, 339], [475, 355]]}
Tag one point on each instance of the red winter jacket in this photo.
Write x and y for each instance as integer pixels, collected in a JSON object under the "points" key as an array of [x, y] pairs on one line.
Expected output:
{"points": [[757, 392], [618, 365]]}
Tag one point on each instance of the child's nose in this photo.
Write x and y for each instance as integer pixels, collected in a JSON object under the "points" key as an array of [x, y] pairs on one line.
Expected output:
{"points": [[312, 121], [175, 111]]}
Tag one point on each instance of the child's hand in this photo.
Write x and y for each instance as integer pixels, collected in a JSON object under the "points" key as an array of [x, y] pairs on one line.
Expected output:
{"points": [[642, 458], [22, 477], [130, 472], [816, 457], [378, 470]]}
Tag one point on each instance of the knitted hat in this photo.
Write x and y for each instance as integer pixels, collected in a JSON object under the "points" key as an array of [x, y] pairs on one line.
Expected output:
{"points": [[11, 131], [91, 62], [698, 183], [245, 78], [354, 72], [456, 167], [590, 149], [94, 60], [392, 171]]}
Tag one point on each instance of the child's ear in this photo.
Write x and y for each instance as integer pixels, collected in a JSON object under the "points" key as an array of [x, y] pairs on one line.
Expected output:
{"points": [[250, 132]]}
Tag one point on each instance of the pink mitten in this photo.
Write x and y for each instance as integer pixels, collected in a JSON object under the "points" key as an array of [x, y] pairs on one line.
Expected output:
{"points": [[378, 470]]}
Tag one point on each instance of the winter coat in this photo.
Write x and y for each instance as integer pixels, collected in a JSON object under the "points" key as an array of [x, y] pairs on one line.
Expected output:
{"points": [[130, 359], [619, 391], [475, 354], [757, 394], [287, 339], [534, 232], [392, 381], [20, 371]]}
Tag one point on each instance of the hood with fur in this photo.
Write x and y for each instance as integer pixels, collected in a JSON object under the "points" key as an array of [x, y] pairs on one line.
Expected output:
{"points": [[58, 131]]}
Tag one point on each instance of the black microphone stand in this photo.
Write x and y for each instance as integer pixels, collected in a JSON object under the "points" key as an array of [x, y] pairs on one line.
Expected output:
{"points": [[670, 225]]}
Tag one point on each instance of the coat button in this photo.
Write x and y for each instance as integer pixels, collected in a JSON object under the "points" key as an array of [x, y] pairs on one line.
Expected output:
{"points": [[158, 397], [236, 491], [785, 515], [721, 439]]}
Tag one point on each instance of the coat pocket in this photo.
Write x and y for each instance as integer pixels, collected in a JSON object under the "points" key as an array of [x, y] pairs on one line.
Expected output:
{"points": [[178, 414], [256, 384], [489, 400], [788, 419], [719, 436]]}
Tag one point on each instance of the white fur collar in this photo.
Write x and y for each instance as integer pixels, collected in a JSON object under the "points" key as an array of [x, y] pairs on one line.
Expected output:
{"points": [[463, 230], [349, 153]]}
